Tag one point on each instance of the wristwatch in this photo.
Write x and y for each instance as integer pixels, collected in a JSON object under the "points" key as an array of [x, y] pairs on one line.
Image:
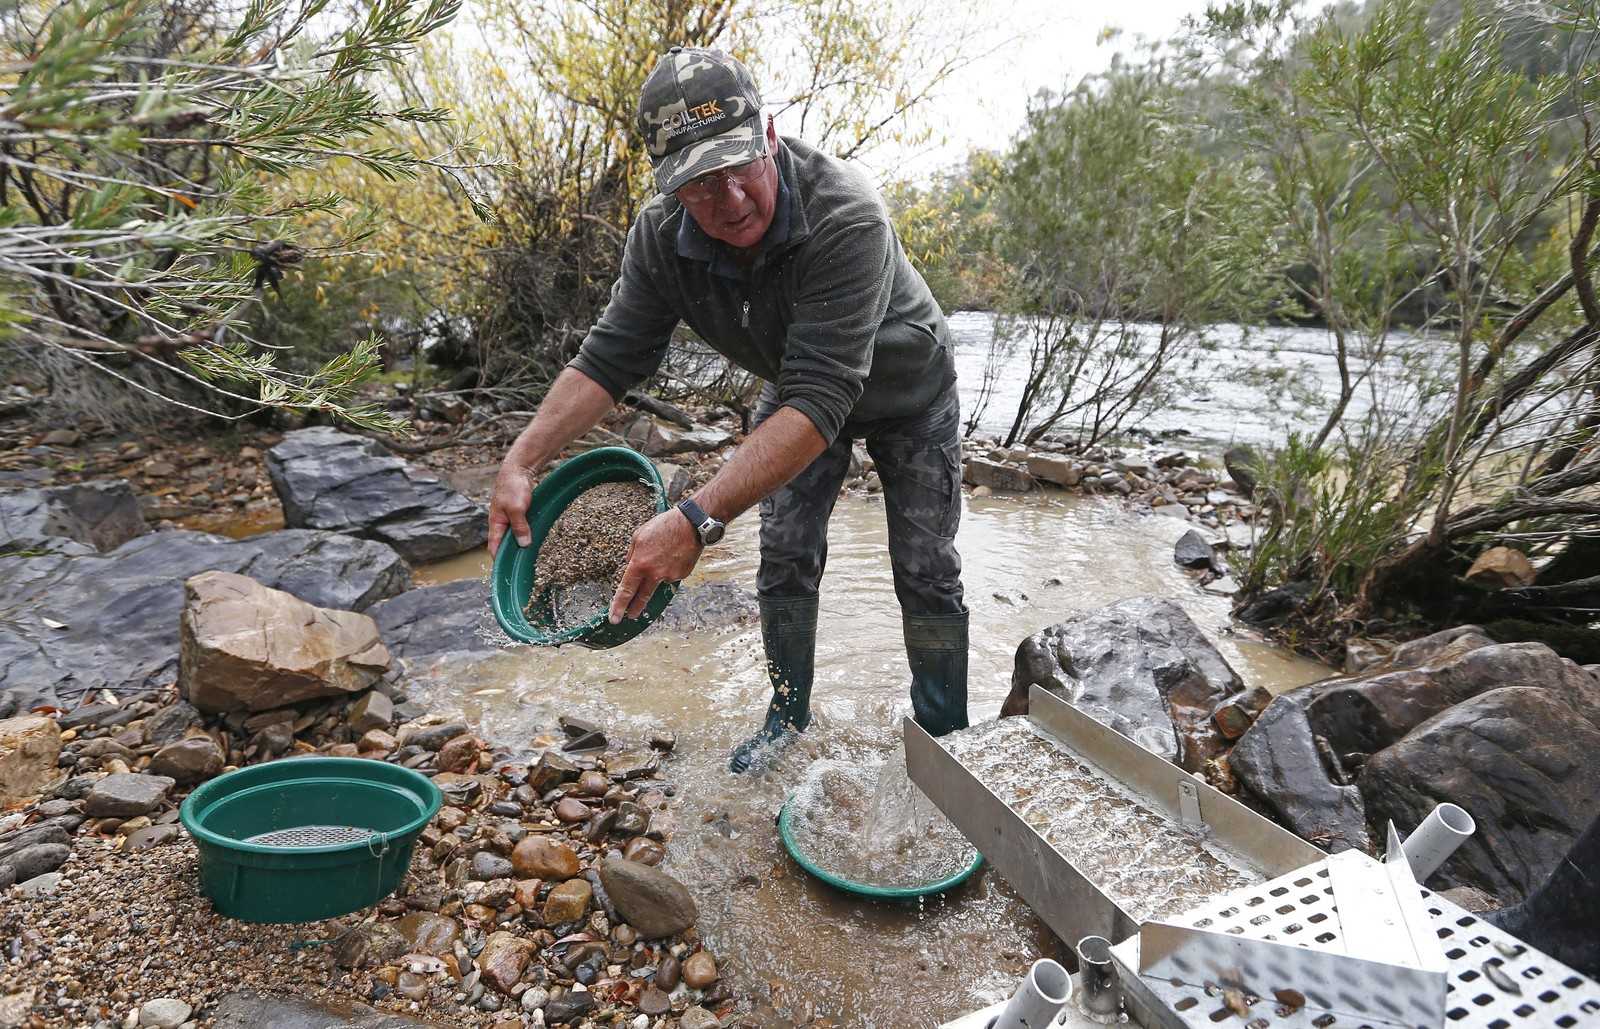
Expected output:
{"points": [[709, 529]]}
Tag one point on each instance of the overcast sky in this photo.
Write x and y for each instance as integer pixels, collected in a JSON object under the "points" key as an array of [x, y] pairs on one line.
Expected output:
{"points": [[1057, 45]]}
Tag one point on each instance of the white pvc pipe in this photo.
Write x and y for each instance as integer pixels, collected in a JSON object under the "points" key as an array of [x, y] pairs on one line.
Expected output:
{"points": [[1446, 828], [1039, 999]]}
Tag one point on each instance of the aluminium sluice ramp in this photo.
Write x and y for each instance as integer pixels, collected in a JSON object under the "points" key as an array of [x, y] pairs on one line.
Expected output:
{"points": [[1291, 938], [1096, 833]]}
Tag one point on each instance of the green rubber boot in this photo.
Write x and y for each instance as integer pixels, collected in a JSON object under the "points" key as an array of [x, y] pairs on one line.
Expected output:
{"points": [[789, 636], [936, 647]]}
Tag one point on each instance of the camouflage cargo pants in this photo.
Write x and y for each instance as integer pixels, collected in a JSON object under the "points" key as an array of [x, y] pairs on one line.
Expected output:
{"points": [[919, 461]]}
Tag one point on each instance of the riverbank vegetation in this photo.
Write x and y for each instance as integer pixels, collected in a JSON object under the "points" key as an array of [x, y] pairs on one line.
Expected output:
{"points": [[250, 209]]}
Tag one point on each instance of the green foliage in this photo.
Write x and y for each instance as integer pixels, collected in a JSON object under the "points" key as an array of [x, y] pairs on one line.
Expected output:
{"points": [[1113, 215], [138, 154]]}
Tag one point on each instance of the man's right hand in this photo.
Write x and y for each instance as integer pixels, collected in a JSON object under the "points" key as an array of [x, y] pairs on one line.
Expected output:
{"points": [[508, 507]]}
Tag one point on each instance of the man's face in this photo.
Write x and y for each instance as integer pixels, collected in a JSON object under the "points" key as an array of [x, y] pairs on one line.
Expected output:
{"points": [[736, 205]]}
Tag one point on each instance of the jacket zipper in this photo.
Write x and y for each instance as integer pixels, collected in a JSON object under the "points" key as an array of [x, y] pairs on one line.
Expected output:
{"points": [[744, 315]]}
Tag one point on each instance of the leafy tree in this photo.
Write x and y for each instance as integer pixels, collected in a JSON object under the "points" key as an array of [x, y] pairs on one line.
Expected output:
{"points": [[139, 149], [1127, 240]]}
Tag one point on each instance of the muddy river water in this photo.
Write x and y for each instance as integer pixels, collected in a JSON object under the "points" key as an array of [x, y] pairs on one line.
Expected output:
{"points": [[794, 942]]}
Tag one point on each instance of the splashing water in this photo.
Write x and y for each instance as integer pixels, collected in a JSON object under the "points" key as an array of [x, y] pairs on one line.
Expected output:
{"points": [[871, 825]]}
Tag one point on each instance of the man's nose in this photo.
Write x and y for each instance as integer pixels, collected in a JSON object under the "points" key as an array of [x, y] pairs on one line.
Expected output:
{"points": [[732, 193]]}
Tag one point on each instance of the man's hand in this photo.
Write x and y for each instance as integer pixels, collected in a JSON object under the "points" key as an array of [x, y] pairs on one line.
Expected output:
{"points": [[508, 507], [664, 549]]}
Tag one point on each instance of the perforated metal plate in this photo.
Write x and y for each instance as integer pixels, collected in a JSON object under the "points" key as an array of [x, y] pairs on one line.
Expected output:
{"points": [[314, 836], [1526, 988]]}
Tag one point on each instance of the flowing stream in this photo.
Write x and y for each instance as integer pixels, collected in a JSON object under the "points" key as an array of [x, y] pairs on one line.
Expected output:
{"points": [[1029, 560]]}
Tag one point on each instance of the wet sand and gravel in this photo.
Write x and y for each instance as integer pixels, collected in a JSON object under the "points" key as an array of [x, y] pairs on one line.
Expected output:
{"points": [[582, 558]]}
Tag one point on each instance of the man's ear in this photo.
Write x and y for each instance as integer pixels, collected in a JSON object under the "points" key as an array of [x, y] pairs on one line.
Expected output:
{"points": [[772, 135]]}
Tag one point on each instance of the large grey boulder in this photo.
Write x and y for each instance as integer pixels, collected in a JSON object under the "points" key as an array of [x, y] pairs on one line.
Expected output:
{"points": [[327, 479], [433, 620], [98, 515], [253, 1009], [980, 471], [1335, 759], [1245, 466], [118, 612], [1140, 666], [1520, 760]]}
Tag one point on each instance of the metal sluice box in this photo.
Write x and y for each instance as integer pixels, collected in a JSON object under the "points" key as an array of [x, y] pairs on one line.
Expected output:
{"points": [[1102, 837]]}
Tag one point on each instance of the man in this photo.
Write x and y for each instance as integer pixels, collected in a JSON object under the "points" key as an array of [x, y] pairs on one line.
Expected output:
{"points": [[784, 260]]}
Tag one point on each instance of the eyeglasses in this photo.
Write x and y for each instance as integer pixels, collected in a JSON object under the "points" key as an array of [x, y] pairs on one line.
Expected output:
{"points": [[710, 185]]}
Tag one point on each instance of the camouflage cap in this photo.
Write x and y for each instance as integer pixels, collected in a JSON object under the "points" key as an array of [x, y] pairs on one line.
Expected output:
{"points": [[699, 112]]}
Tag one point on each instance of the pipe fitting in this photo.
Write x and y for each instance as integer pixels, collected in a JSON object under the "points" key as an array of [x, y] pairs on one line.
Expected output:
{"points": [[1038, 1000], [1431, 843], [1099, 988]]}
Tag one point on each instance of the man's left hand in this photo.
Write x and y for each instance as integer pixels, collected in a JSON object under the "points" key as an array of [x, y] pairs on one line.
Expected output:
{"points": [[664, 549]]}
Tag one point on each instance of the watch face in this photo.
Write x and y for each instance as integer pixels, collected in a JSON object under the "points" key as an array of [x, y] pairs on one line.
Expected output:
{"points": [[713, 531]]}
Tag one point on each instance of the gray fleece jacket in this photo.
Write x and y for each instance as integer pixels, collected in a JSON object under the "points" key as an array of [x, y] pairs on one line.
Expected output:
{"points": [[830, 310]]}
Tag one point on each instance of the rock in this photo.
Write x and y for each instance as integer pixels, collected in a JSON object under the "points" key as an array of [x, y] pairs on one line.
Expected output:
{"points": [[376, 739], [8, 704], [571, 809], [1277, 605], [504, 958], [170, 723], [697, 1017], [164, 1013], [653, 1002], [653, 438], [121, 609], [246, 647], [539, 857], [40, 886], [102, 515], [632, 820], [374, 943], [633, 764], [372, 711], [328, 479], [568, 902], [1194, 551], [1361, 655], [430, 621], [430, 736], [126, 795], [29, 749], [1060, 471], [645, 851], [648, 899], [535, 999], [1244, 466], [569, 1006], [148, 838], [460, 754], [550, 771], [33, 836], [427, 932], [189, 761], [979, 471], [1140, 666], [1519, 759], [1236, 714], [700, 970], [704, 606], [30, 862], [669, 973], [676, 479], [14, 1008], [1278, 759], [487, 865], [1502, 568], [593, 784]]}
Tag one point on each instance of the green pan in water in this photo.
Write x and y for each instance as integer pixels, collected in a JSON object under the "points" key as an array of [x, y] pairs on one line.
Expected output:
{"points": [[511, 581], [786, 830]]}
